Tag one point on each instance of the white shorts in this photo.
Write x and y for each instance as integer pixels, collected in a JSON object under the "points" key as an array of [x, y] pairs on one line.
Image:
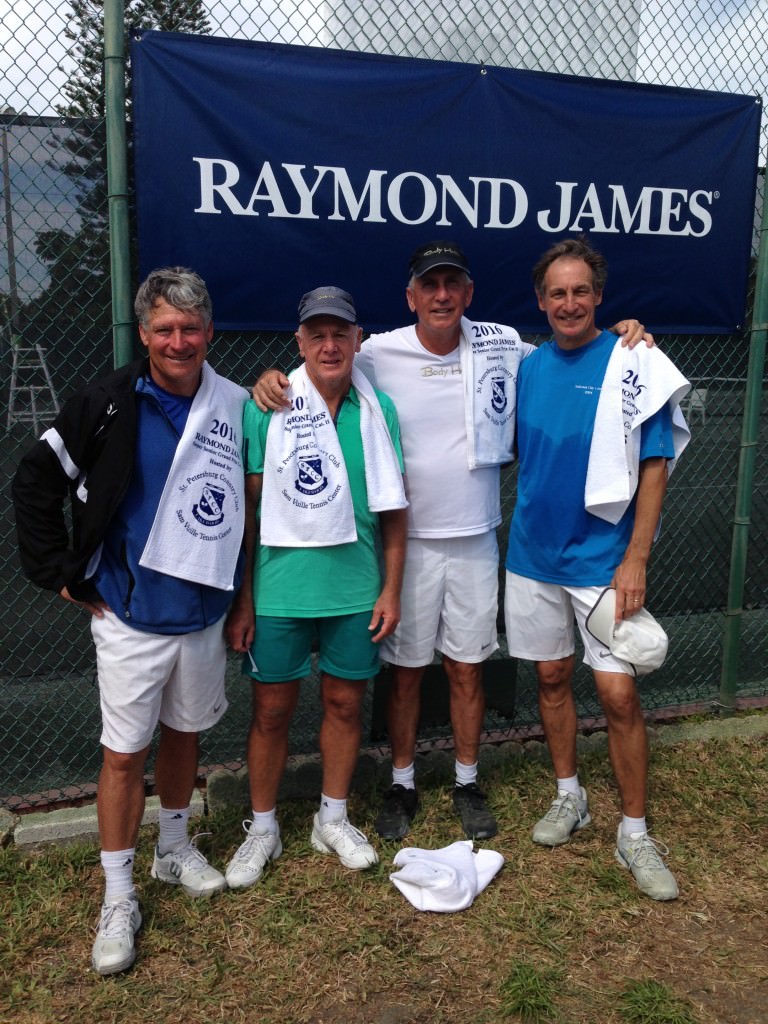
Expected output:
{"points": [[449, 601], [146, 678], [539, 622]]}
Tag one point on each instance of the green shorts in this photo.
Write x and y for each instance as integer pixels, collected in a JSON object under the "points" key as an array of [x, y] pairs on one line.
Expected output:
{"points": [[282, 647]]}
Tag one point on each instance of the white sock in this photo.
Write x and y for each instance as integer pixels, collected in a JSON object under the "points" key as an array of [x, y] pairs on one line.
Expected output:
{"points": [[173, 829], [331, 810], [633, 826], [264, 822], [569, 785], [118, 872], [465, 773], [404, 776]]}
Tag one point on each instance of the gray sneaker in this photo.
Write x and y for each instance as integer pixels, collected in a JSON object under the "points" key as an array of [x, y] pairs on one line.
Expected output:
{"points": [[644, 857], [188, 868], [567, 814], [114, 949], [247, 865]]}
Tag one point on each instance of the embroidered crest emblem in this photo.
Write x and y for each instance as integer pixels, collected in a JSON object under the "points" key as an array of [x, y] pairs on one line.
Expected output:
{"points": [[311, 480], [498, 394], [210, 508]]}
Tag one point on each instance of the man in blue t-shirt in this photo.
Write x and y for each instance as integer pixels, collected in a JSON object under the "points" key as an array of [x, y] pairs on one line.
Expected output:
{"points": [[562, 556]]}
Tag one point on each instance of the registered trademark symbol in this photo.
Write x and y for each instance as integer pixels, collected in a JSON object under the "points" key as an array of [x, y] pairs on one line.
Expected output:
{"points": [[716, 195]]}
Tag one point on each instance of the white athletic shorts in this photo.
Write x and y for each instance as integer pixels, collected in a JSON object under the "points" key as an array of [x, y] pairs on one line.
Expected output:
{"points": [[449, 601], [146, 678], [539, 622]]}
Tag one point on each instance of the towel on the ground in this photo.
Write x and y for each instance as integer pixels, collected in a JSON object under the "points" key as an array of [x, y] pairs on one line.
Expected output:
{"points": [[444, 880]]}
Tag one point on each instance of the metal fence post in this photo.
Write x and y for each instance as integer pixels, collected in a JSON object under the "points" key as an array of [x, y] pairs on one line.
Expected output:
{"points": [[117, 180], [745, 481]]}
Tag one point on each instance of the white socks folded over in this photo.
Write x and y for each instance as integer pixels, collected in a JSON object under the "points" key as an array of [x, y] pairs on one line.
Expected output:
{"points": [[444, 880]]}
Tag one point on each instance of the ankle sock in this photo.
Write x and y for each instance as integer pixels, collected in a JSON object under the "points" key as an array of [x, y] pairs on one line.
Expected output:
{"points": [[569, 785], [404, 776], [173, 829], [264, 822], [331, 809], [118, 872], [633, 826], [466, 774]]}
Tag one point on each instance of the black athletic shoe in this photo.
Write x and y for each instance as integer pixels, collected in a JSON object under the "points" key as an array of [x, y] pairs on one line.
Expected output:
{"points": [[398, 810], [476, 820]]}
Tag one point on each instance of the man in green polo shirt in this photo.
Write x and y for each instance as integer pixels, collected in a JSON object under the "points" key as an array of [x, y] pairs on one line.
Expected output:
{"points": [[325, 557]]}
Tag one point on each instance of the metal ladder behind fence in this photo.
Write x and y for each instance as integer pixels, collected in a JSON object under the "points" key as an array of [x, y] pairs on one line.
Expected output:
{"points": [[32, 397]]}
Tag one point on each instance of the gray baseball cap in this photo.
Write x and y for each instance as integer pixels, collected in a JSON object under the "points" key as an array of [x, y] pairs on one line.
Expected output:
{"points": [[327, 301]]}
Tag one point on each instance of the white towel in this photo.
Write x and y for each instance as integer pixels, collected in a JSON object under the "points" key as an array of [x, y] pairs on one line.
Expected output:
{"points": [[306, 499], [637, 383], [198, 528], [445, 880], [490, 356]]}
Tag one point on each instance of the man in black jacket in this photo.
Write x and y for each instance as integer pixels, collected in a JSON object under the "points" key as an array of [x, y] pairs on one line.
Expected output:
{"points": [[149, 459]]}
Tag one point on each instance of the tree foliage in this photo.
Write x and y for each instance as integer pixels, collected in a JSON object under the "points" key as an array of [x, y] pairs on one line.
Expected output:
{"points": [[76, 302]]}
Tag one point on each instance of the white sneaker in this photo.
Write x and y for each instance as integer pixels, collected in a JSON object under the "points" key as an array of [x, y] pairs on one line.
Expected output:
{"points": [[114, 948], [643, 856], [347, 842], [247, 865], [188, 868], [567, 814]]}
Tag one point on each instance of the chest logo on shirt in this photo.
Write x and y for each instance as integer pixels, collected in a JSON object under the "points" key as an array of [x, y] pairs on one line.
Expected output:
{"points": [[209, 510], [310, 479]]}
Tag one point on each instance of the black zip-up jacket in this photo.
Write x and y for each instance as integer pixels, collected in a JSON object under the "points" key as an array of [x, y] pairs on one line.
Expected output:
{"points": [[88, 455]]}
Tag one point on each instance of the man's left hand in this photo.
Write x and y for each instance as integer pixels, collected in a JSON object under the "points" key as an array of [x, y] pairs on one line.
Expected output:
{"points": [[386, 616], [631, 333], [629, 581]]}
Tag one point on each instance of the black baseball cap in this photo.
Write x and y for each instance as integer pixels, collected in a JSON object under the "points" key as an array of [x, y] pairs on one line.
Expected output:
{"points": [[437, 254]]}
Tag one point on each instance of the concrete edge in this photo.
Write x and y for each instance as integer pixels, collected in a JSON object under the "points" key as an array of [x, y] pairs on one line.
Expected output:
{"points": [[226, 788]]}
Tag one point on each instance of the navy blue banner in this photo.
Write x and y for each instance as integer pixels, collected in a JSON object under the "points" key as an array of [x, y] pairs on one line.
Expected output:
{"points": [[271, 169]]}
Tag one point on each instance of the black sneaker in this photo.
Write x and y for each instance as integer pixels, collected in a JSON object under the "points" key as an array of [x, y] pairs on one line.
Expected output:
{"points": [[397, 813], [476, 820]]}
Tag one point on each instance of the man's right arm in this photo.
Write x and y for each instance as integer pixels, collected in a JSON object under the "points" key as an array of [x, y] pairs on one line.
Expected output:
{"points": [[41, 490], [269, 391], [240, 624]]}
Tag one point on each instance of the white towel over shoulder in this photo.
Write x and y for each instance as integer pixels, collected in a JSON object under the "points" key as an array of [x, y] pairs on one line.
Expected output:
{"points": [[198, 528], [637, 383], [490, 355], [306, 499]]}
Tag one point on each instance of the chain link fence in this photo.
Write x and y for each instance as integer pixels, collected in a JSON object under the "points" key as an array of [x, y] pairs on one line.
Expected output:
{"points": [[55, 331]]}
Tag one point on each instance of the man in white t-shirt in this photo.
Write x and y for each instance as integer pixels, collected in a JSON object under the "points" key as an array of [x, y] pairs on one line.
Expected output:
{"points": [[453, 384]]}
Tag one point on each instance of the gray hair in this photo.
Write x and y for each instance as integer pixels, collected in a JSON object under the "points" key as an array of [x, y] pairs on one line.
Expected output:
{"points": [[180, 287]]}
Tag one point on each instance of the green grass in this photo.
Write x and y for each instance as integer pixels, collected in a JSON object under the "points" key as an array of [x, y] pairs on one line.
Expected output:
{"points": [[560, 935], [529, 993], [648, 1002]]}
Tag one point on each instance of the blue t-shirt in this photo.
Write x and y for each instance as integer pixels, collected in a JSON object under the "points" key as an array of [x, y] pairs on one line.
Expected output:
{"points": [[552, 537]]}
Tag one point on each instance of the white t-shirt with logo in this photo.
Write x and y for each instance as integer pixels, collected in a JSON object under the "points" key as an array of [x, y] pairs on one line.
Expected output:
{"points": [[446, 498]]}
